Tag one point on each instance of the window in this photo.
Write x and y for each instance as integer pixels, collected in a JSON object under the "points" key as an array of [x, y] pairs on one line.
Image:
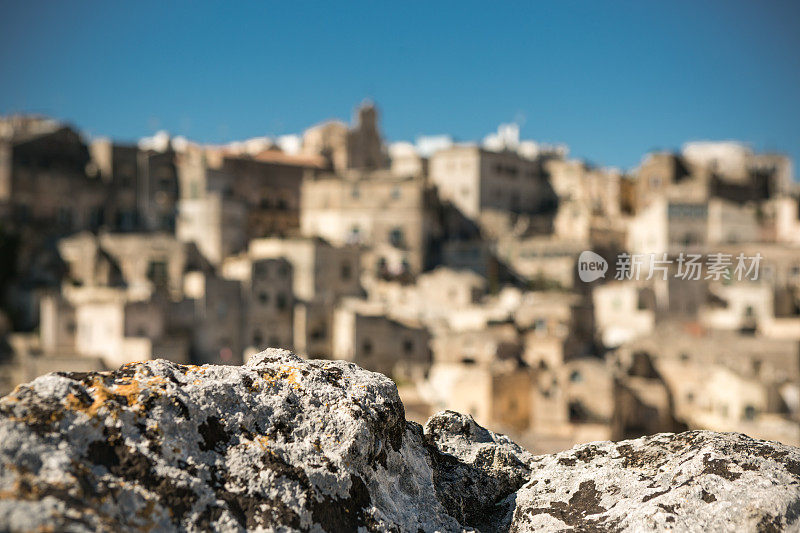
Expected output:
{"points": [[366, 347], [283, 270], [749, 412], [575, 377], [261, 269], [408, 346], [318, 333], [258, 338], [345, 271], [64, 218], [157, 273], [396, 237], [263, 298], [96, 217], [355, 192], [355, 235], [281, 301], [577, 412], [395, 192]]}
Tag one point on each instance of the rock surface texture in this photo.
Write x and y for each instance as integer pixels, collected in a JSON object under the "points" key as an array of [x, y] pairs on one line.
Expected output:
{"points": [[287, 444]]}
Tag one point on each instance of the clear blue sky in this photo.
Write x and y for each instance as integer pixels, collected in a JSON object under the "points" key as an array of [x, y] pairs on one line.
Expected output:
{"points": [[611, 79]]}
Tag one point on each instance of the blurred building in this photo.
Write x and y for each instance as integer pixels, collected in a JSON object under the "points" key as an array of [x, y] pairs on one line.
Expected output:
{"points": [[449, 267]]}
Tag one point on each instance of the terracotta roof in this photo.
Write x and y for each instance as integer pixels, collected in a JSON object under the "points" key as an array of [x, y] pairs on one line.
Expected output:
{"points": [[276, 156]]}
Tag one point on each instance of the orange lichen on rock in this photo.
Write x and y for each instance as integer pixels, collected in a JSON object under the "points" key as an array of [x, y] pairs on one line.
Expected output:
{"points": [[126, 391], [286, 373]]}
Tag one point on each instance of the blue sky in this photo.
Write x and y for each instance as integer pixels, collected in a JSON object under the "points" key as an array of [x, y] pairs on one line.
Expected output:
{"points": [[610, 79]]}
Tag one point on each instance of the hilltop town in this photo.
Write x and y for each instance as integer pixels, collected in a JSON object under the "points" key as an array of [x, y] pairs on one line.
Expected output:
{"points": [[450, 267]]}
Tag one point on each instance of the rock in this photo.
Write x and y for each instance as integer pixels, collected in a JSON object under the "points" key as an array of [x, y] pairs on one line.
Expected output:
{"points": [[693, 481], [474, 469], [284, 444]]}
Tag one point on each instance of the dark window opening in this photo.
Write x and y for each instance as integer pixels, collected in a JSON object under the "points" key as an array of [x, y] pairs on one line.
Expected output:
{"points": [[396, 237], [346, 271], [281, 301], [157, 273], [318, 333], [577, 412]]}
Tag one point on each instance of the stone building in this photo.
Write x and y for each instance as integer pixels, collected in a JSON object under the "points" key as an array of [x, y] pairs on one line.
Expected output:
{"points": [[208, 213], [363, 334], [141, 263], [781, 220], [269, 184], [156, 296], [497, 394], [405, 160], [229, 198], [494, 188], [392, 216], [726, 170], [27, 360], [726, 380], [320, 275], [623, 311], [43, 180], [555, 327], [269, 318], [141, 185], [498, 342], [344, 147], [586, 196], [215, 317], [544, 261]]}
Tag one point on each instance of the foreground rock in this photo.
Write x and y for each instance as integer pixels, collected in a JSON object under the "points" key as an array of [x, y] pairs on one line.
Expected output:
{"points": [[693, 481], [288, 444]]}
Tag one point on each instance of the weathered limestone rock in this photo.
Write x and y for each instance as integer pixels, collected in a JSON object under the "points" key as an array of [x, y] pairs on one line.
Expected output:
{"points": [[288, 444], [692, 481]]}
